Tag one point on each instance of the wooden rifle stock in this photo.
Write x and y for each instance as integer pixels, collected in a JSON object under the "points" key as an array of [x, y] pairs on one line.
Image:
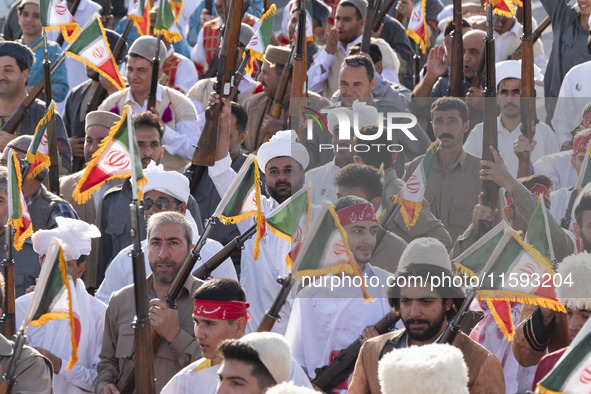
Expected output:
{"points": [[155, 72], [206, 147], [368, 26], [477, 82], [332, 374], [272, 315], [565, 221], [277, 102], [528, 91], [453, 327], [7, 320], [9, 377], [535, 35], [456, 76], [381, 15], [300, 69], [73, 9]]}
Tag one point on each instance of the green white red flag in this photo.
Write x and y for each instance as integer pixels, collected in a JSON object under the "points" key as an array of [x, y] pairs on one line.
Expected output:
{"points": [[38, 153], [411, 195], [166, 23], [263, 30], [325, 249], [177, 7], [92, 48], [18, 213], [55, 15], [309, 23], [572, 373], [112, 160], [504, 7], [53, 298], [417, 25], [140, 15]]}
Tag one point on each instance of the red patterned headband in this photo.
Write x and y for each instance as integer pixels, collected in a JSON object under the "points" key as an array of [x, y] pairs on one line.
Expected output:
{"points": [[221, 310], [356, 213], [536, 189], [580, 144]]}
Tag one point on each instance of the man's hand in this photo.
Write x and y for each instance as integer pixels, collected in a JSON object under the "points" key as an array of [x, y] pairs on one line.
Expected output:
{"points": [[77, 145], [404, 7], [164, 320], [205, 17], [437, 62], [110, 389], [5, 138], [497, 172], [482, 212], [523, 145], [475, 99], [107, 21], [369, 332], [332, 39], [378, 34], [270, 125], [55, 360], [516, 55]]}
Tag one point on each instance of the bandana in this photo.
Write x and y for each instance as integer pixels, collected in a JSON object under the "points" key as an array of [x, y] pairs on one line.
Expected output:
{"points": [[536, 189], [580, 144], [586, 119], [356, 213], [221, 310]]}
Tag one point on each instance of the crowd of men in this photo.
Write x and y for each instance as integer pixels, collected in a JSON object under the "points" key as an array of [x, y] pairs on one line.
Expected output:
{"points": [[350, 156]]}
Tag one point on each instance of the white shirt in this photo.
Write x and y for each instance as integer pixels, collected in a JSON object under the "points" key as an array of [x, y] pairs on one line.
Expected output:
{"points": [[557, 167], [546, 143], [55, 337], [573, 96], [259, 278], [322, 184], [120, 271], [559, 200], [186, 73], [177, 142], [503, 41]]}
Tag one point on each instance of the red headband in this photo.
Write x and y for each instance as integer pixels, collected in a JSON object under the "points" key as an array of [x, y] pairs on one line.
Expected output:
{"points": [[586, 119], [356, 213], [221, 310], [536, 189], [580, 144]]}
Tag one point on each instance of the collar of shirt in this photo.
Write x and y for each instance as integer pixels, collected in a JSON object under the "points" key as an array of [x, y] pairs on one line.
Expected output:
{"points": [[34, 42], [349, 45], [503, 129], [188, 285], [142, 107], [514, 31], [459, 161]]}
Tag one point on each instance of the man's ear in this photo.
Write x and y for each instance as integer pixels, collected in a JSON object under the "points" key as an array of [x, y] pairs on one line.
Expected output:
{"points": [[376, 203], [357, 159], [576, 230], [448, 304], [183, 207], [240, 327], [82, 267]]}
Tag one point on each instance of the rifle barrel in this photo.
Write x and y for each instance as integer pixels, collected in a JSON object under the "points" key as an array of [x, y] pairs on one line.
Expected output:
{"points": [[272, 315]]}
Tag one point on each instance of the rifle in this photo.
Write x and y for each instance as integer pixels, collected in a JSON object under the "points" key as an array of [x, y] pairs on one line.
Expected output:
{"points": [[332, 374], [565, 221], [155, 72], [209, 7], [528, 91], [416, 59], [9, 377], [54, 175], [73, 9], [453, 327], [266, 5], [535, 35], [7, 320], [272, 315], [381, 14], [490, 189], [205, 150], [368, 26], [276, 106], [456, 75], [300, 68]]}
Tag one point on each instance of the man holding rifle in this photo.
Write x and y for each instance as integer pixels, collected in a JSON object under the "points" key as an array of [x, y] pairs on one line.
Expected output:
{"points": [[425, 312], [169, 242]]}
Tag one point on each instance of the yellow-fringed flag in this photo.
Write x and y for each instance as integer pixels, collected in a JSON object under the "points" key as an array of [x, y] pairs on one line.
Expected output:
{"points": [[55, 15], [504, 7], [112, 160], [417, 25], [263, 30], [165, 22], [53, 298], [18, 213], [410, 197], [177, 7], [38, 153], [140, 15]]}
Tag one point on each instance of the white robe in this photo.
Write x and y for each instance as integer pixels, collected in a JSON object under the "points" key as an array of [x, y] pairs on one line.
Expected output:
{"points": [[55, 337], [321, 182], [559, 200], [557, 167]]}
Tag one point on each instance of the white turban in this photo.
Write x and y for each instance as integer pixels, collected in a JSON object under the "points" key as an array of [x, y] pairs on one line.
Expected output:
{"points": [[512, 69], [74, 234], [170, 182], [283, 143]]}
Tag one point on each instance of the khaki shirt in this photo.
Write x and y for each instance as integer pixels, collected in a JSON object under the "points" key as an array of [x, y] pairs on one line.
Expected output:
{"points": [[452, 195], [118, 337], [34, 373]]}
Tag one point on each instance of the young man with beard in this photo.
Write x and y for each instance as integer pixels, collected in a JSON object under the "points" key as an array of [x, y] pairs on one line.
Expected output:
{"points": [[425, 310], [169, 242], [326, 319]]}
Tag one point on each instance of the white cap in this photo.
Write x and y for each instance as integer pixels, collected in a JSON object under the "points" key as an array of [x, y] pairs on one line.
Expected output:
{"points": [[575, 269], [283, 143], [425, 250], [74, 234], [273, 351], [512, 69], [289, 388], [170, 182]]}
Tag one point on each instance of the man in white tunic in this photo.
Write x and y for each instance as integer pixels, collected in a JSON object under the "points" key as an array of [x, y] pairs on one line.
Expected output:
{"points": [[53, 339], [509, 123], [164, 191]]}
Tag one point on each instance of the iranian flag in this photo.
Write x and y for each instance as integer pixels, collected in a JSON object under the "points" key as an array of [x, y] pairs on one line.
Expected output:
{"points": [[585, 173], [114, 159], [92, 49], [325, 249], [572, 373], [18, 213], [165, 22], [291, 221], [417, 25], [53, 298], [410, 197], [55, 15], [139, 14], [38, 153], [263, 30], [177, 7], [504, 7], [309, 23]]}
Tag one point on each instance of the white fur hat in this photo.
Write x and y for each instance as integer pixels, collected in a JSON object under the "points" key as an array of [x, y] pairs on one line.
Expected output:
{"points": [[425, 251], [575, 268], [273, 352], [74, 234], [428, 369], [290, 388], [283, 143]]}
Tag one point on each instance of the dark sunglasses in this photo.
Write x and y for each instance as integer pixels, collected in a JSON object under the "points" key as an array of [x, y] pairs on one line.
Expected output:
{"points": [[161, 204]]}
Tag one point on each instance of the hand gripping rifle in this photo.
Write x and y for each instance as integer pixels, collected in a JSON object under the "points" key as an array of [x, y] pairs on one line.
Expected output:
{"points": [[277, 101], [155, 72], [490, 189], [456, 76], [206, 147], [332, 374], [272, 315], [7, 320], [381, 14], [535, 35]]}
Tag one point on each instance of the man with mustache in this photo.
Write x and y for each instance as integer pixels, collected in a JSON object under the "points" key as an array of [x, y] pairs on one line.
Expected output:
{"points": [[454, 182], [510, 139]]}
